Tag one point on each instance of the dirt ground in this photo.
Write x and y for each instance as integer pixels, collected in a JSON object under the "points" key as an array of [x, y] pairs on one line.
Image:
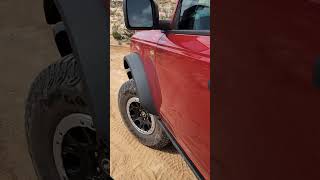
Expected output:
{"points": [[130, 159], [26, 47]]}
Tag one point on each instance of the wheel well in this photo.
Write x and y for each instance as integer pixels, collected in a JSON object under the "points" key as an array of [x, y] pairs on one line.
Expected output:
{"points": [[136, 71], [61, 38], [53, 17], [127, 68], [51, 12]]}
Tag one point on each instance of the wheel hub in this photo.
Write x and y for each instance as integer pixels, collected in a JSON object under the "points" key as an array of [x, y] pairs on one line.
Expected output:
{"points": [[141, 120], [75, 149], [143, 114]]}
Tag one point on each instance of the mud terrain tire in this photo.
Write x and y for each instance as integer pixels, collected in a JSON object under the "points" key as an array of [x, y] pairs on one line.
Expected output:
{"points": [[157, 139], [56, 93]]}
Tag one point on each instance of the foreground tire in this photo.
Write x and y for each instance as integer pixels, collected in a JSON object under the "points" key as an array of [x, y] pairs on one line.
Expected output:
{"points": [[59, 128], [140, 123]]}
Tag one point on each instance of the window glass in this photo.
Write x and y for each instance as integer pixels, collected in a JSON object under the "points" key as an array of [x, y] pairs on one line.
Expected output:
{"points": [[139, 13], [194, 15]]}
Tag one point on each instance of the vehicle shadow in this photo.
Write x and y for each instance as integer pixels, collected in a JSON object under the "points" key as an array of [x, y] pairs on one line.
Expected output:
{"points": [[170, 149]]}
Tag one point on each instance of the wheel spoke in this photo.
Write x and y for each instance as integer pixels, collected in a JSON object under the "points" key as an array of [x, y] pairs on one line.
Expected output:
{"points": [[87, 135], [68, 150], [135, 109], [71, 140], [146, 120], [134, 106], [148, 126], [141, 123], [137, 122], [140, 118], [73, 174], [134, 114], [77, 149]]}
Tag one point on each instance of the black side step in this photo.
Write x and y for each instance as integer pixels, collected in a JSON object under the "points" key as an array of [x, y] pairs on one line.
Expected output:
{"points": [[183, 154]]}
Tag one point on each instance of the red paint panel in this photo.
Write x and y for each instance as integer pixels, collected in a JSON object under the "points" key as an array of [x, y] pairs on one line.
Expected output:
{"points": [[183, 69], [143, 42]]}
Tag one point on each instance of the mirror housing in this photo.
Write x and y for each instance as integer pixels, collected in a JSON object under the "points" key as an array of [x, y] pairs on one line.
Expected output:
{"points": [[142, 17]]}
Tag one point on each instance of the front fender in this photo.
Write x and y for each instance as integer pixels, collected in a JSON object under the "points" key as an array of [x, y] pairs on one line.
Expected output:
{"points": [[87, 26], [135, 69]]}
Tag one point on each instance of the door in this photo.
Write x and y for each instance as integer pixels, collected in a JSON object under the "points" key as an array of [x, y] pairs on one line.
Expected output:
{"points": [[183, 70]]}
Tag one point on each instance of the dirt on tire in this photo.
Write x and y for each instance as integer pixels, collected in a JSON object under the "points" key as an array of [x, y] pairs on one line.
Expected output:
{"points": [[129, 158]]}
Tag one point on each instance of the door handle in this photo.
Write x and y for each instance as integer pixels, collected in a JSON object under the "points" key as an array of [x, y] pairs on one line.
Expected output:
{"points": [[209, 85]]}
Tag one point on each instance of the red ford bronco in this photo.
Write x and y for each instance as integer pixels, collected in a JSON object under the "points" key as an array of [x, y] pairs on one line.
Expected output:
{"points": [[267, 79], [167, 96]]}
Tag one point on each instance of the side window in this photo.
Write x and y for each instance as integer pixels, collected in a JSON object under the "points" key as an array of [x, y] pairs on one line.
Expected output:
{"points": [[194, 15]]}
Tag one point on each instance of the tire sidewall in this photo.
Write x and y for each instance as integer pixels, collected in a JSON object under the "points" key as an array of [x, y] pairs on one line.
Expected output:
{"points": [[48, 103], [126, 92]]}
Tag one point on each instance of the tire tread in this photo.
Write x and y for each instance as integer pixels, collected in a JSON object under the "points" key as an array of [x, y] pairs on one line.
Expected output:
{"points": [[128, 89]]}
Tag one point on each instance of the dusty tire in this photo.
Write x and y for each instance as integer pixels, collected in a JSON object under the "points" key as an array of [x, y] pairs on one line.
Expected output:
{"points": [[157, 139], [56, 93]]}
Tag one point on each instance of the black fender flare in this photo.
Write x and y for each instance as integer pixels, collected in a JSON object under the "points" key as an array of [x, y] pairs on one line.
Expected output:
{"points": [[87, 26], [135, 69], [61, 39], [51, 12]]}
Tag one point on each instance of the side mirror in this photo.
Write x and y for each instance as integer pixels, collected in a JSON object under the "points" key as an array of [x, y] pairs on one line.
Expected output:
{"points": [[141, 14]]}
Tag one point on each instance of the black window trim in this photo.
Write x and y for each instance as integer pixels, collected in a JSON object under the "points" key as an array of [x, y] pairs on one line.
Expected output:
{"points": [[175, 21], [190, 32]]}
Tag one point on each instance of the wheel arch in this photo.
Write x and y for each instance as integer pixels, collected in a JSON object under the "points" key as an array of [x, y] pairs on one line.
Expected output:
{"points": [[51, 12], [135, 70], [53, 17], [87, 34]]}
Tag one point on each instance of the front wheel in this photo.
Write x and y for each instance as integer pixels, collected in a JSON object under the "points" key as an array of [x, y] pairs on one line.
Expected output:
{"points": [[59, 127], [143, 125]]}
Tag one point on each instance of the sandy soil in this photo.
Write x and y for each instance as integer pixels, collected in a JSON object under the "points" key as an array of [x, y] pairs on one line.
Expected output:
{"points": [[26, 47], [130, 159]]}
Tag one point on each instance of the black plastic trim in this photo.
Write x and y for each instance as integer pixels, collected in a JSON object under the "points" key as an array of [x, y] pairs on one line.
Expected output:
{"points": [[191, 32], [61, 39], [136, 67], [175, 23], [165, 25], [50, 11], [87, 26], [176, 16], [58, 27], [181, 151], [155, 13]]}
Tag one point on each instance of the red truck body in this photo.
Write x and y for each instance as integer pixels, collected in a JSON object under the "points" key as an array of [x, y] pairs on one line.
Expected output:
{"points": [[178, 75]]}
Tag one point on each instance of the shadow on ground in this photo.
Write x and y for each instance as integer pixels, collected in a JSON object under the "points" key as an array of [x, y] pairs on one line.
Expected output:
{"points": [[26, 47]]}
